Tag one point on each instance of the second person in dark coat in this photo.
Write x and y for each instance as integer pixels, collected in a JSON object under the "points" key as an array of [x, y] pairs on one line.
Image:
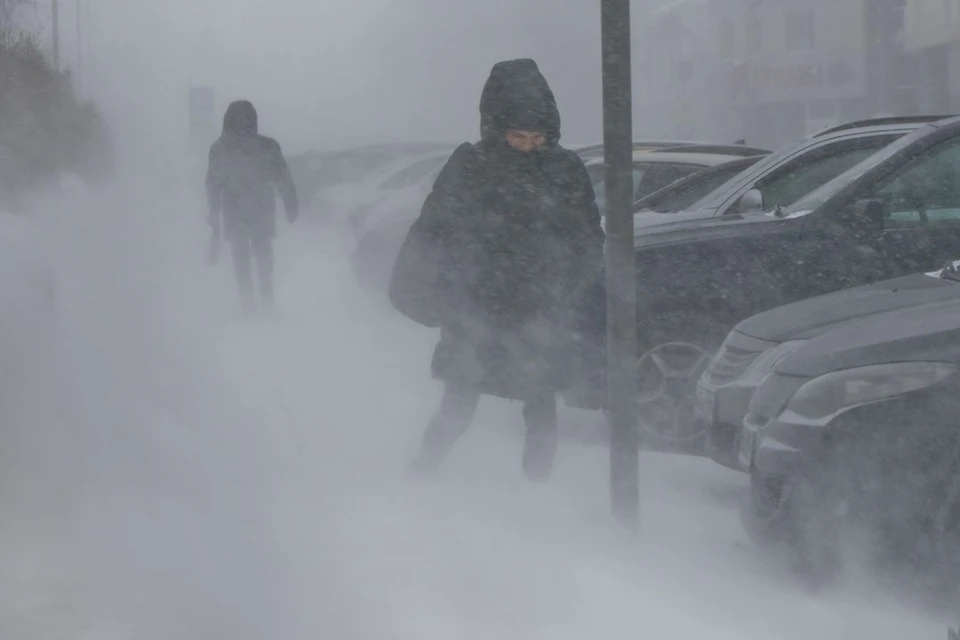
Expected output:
{"points": [[245, 171], [509, 239]]}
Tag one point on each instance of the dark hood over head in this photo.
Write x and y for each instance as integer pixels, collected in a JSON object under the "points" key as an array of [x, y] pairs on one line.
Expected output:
{"points": [[240, 119], [517, 96]]}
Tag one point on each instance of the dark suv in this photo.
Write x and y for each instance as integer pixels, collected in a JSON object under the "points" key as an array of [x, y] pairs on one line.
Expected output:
{"points": [[748, 247]]}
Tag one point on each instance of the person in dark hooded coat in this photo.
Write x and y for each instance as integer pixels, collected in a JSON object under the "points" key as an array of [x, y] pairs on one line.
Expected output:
{"points": [[506, 244], [245, 170]]}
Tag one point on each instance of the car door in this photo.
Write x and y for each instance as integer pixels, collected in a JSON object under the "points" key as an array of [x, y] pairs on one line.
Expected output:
{"points": [[921, 203], [906, 221]]}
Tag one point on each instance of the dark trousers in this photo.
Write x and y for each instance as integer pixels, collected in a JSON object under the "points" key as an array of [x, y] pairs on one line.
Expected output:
{"points": [[457, 409], [245, 251]]}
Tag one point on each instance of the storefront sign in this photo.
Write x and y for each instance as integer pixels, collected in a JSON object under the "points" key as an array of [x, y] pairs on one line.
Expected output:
{"points": [[749, 81]]}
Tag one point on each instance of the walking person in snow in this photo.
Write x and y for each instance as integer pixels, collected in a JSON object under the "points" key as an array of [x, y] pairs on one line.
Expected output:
{"points": [[244, 170], [506, 244]]}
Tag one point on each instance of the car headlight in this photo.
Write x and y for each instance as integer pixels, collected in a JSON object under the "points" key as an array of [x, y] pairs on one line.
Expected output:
{"points": [[834, 393], [760, 368]]}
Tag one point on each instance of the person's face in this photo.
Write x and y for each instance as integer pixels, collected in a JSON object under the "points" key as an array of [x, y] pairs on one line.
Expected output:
{"points": [[526, 141]]}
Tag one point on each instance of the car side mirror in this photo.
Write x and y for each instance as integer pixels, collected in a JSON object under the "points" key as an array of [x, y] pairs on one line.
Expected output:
{"points": [[751, 202]]}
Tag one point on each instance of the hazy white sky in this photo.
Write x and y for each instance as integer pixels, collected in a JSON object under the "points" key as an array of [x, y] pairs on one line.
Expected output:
{"points": [[327, 73]]}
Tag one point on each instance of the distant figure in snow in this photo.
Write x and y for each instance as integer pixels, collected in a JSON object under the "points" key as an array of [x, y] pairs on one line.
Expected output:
{"points": [[505, 248], [244, 170]]}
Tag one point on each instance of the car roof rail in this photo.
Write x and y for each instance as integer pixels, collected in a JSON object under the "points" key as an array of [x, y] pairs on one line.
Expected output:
{"points": [[877, 122], [724, 149]]}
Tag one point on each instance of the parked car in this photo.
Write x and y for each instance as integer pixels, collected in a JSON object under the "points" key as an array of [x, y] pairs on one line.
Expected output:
{"points": [[315, 171], [353, 205], [853, 436], [778, 232], [404, 187], [755, 345], [380, 239]]}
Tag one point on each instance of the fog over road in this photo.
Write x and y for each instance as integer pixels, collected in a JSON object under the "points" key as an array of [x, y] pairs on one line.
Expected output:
{"points": [[171, 470]]}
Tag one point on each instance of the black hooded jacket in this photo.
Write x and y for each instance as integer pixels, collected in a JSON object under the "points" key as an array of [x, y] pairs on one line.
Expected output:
{"points": [[505, 246], [244, 170]]}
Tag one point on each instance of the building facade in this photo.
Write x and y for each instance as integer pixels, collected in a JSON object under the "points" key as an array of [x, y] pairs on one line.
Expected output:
{"points": [[931, 41], [773, 71]]}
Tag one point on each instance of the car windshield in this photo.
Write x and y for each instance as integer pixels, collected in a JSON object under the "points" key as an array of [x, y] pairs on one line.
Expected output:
{"points": [[680, 195], [820, 195]]}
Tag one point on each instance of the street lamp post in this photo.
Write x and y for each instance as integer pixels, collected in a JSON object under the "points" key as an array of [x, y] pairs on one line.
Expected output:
{"points": [[620, 263]]}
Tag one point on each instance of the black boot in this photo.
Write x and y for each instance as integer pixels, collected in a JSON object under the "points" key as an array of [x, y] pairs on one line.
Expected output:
{"points": [[454, 417]]}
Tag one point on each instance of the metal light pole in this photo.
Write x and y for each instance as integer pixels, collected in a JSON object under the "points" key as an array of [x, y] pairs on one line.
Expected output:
{"points": [[620, 263]]}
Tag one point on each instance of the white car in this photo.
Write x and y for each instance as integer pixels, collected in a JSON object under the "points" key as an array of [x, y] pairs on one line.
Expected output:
{"points": [[349, 205]]}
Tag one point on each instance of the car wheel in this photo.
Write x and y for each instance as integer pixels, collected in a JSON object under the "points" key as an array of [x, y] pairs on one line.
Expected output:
{"points": [[675, 349], [814, 517], [839, 494], [667, 376]]}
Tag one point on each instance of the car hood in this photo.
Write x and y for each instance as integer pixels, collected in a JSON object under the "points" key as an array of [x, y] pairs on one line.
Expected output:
{"points": [[929, 332], [815, 316]]}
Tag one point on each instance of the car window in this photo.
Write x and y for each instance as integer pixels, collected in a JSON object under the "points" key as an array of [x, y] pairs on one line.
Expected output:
{"points": [[411, 175], [659, 175], [681, 196], [924, 191], [804, 174]]}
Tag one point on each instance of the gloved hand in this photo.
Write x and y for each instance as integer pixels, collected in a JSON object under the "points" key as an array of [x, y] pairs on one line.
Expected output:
{"points": [[292, 215]]}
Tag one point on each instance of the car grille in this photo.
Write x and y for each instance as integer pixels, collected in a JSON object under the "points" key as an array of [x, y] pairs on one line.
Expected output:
{"points": [[730, 363]]}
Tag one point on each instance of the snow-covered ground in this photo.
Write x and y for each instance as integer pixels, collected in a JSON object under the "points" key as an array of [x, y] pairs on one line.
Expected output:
{"points": [[170, 470]]}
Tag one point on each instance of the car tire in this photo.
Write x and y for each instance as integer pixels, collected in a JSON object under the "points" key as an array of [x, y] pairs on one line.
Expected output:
{"points": [[813, 528], [763, 510]]}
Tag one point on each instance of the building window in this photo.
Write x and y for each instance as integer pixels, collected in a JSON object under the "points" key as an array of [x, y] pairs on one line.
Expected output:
{"points": [[800, 31], [754, 34]]}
